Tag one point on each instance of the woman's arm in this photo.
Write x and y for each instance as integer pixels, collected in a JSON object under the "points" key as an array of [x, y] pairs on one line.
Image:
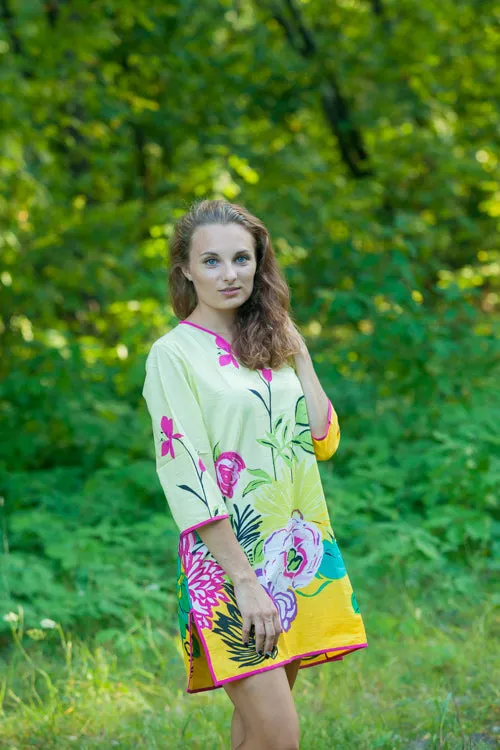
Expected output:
{"points": [[319, 407], [317, 402], [255, 605], [182, 449]]}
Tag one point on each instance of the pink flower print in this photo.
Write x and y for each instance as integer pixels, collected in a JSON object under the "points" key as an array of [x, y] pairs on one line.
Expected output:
{"points": [[205, 580], [267, 374], [167, 446], [286, 604], [225, 359], [201, 465], [228, 467], [284, 601], [292, 555]]}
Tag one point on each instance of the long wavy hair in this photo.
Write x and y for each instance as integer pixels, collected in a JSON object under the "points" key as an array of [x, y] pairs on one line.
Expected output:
{"points": [[261, 335]]}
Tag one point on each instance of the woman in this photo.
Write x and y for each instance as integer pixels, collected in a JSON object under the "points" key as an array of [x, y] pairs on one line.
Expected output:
{"points": [[262, 586]]}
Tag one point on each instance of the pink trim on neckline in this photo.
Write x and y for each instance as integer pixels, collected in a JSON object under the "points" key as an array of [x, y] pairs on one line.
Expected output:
{"points": [[189, 323]]}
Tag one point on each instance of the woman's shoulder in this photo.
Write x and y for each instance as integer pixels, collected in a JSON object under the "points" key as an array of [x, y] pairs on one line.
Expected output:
{"points": [[172, 343]]}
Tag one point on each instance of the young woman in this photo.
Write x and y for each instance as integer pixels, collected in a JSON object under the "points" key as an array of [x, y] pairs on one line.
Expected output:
{"points": [[239, 422]]}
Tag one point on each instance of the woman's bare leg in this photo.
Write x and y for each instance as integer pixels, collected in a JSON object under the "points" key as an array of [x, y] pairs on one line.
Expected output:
{"points": [[264, 714], [237, 726], [237, 730]]}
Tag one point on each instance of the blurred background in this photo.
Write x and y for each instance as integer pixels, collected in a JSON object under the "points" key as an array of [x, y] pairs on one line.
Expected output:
{"points": [[365, 135]]}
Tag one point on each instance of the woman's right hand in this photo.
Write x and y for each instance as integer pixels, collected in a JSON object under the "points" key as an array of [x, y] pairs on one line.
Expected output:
{"points": [[258, 609], [255, 604]]}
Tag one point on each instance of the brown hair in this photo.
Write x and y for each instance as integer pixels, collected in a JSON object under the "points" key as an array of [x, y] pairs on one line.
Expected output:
{"points": [[261, 337]]}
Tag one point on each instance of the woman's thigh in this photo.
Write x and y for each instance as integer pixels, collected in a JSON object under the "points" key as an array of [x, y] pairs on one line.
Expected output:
{"points": [[264, 702]]}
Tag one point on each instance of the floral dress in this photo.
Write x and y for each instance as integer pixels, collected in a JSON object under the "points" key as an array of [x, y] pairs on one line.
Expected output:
{"points": [[235, 443]]}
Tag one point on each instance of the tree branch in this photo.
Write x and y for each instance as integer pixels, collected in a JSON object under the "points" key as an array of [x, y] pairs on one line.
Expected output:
{"points": [[335, 104]]}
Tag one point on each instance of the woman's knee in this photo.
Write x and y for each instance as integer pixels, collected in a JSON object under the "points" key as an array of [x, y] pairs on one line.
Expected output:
{"points": [[265, 704], [277, 730], [283, 738], [282, 734]]}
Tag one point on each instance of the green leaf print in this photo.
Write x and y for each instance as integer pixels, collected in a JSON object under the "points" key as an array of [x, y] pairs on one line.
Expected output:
{"points": [[216, 451], [258, 552], [246, 525], [287, 459], [183, 600], [293, 560], [262, 477], [301, 416], [277, 423], [270, 440], [189, 489], [281, 436], [251, 486], [260, 396], [354, 603], [196, 645], [261, 474], [303, 440]]}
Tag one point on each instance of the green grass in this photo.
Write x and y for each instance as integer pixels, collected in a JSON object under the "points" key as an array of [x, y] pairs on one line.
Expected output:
{"points": [[426, 681]]}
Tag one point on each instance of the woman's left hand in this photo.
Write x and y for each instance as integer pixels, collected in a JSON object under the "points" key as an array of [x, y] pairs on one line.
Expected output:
{"points": [[301, 346]]}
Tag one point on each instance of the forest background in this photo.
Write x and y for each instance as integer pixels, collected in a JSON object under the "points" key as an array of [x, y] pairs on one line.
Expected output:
{"points": [[365, 134]]}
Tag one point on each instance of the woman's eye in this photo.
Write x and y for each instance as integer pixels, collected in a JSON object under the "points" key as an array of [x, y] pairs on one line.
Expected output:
{"points": [[245, 257]]}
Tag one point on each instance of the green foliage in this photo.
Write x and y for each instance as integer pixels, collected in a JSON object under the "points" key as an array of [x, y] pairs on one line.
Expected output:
{"points": [[374, 166], [423, 682], [417, 487]]}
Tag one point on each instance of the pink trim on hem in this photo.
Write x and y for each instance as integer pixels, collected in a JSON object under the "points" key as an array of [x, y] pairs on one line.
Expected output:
{"points": [[189, 323], [190, 647], [203, 523], [219, 683], [207, 653], [329, 417]]}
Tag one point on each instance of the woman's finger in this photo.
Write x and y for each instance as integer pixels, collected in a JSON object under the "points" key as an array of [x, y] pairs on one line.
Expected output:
{"points": [[270, 634], [260, 635], [245, 631], [277, 627]]}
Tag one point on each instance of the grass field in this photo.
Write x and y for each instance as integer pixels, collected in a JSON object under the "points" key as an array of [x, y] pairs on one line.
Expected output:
{"points": [[426, 680]]}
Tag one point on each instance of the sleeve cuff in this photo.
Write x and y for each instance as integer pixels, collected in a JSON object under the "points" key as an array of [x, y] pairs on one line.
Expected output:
{"points": [[203, 523], [330, 415]]}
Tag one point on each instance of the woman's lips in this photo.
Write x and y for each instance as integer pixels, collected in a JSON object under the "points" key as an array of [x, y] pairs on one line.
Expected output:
{"points": [[230, 292]]}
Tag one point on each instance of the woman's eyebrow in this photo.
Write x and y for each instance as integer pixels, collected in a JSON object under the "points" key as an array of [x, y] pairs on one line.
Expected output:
{"points": [[214, 252]]}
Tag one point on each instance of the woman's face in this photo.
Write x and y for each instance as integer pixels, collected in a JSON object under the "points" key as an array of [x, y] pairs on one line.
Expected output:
{"points": [[222, 256]]}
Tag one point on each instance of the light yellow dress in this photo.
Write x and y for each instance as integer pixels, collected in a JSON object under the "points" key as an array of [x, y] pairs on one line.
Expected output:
{"points": [[235, 443]]}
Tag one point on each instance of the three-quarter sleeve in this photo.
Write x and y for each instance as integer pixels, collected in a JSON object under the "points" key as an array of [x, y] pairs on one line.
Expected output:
{"points": [[184, 461], [326, 445]]}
